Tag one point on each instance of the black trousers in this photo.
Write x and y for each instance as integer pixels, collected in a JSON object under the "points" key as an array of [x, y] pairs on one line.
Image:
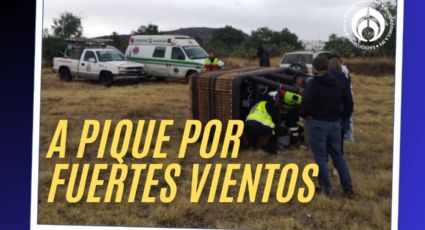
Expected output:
{"points": [[292, 117], [291, 122]]}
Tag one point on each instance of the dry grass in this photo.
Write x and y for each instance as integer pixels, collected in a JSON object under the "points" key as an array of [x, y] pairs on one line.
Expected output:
{"points": [[371, 66], [369, 158], [364, 66], [244, 62]]}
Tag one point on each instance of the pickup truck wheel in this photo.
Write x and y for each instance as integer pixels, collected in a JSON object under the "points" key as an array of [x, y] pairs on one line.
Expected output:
{"points": [[64, 74], [106, 79], [160, 78]]}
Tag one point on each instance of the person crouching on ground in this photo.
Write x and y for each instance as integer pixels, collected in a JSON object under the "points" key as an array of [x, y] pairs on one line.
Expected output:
{"points": [[262, 122], [321, 107]]}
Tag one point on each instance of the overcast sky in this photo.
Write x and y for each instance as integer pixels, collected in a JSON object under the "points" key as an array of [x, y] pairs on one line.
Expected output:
{"points": [[309, 19]]}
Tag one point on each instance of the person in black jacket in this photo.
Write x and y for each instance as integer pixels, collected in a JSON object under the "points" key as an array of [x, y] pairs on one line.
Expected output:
{"points": [[263, 57], [325, 103]]}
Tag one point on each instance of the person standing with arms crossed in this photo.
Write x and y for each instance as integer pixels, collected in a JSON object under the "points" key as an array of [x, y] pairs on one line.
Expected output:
{"points": [[321, 107]]}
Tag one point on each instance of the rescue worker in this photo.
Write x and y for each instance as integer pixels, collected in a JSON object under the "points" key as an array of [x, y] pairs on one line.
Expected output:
{"points": [[291, 103], [261, 124], [264, 60], [211, 62]]}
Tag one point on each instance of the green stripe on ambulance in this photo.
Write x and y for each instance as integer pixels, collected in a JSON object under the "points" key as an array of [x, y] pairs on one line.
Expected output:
{"points": [[161, 61]]}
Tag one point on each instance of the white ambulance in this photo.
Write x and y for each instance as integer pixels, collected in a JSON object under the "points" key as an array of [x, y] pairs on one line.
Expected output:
{"points": [[167, 55]]}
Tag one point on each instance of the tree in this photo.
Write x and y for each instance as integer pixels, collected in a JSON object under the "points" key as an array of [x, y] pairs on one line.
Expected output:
{"points": [[262, 36], [150, 29], [226, 40], [52, 47], [67, 25], [275, 42], [341, 46], [290, 39], [119, 42], [229, 36]]}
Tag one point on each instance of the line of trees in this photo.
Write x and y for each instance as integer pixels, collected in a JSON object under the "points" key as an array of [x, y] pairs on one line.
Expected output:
{"points": [[226, 41], [229, 41]]}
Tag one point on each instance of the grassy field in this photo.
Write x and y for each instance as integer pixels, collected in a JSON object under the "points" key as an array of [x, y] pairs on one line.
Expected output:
{"points": [[371, 66], [369, 159]]}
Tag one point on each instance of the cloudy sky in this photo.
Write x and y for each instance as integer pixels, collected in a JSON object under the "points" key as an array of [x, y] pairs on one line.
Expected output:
{"points": [[309, 19]]}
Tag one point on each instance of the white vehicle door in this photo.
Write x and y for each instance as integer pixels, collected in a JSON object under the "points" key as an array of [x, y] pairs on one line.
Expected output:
{"points": [[88, 67], [177, 63], [73, 60], [73, 66], [160, 64]]}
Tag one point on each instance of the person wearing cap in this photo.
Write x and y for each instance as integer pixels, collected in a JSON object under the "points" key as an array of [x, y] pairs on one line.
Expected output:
{"points": [[325, 103], [261, 124], [211, 63]]}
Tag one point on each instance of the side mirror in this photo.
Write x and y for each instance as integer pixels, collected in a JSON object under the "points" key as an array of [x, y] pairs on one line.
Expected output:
{"points": [[92, 60]]}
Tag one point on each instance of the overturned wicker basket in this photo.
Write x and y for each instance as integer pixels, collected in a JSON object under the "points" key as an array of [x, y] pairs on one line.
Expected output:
{"points": [[230, 94]]}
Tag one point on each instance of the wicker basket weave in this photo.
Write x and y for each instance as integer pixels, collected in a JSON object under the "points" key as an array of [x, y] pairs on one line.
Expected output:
{"points": [[217, 95]]}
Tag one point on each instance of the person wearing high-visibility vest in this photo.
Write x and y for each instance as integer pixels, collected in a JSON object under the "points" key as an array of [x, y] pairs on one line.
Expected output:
{"points": [[262, 122], [211, 63], [291, 103]]}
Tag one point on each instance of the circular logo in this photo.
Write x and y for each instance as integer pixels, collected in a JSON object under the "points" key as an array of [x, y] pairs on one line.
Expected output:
{"points": [[136, 50], [368, 24], [176, 70]]}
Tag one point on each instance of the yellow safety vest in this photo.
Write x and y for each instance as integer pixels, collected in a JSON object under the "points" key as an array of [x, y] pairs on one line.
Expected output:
{"points": [[259, 113], [208, 61]]}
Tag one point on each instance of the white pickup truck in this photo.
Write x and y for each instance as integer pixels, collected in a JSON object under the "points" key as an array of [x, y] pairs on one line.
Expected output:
{"points": [[103, 63]]}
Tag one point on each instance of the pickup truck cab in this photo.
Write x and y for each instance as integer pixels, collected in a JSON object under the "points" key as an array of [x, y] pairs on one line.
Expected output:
{"points": [[103, 63], [303, 60]]}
